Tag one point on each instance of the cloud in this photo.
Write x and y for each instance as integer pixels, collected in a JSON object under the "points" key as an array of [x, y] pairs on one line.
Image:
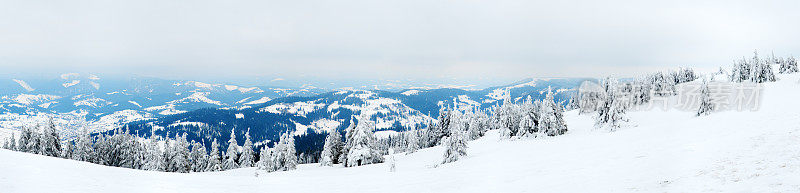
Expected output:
{"points": [[276, 79], [393, 39]]}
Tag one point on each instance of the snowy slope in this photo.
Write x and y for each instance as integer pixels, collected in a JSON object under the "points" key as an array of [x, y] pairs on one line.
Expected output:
{"points": [[668, 151]]}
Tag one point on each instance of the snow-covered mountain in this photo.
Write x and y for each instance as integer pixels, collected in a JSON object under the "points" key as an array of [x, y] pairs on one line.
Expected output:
{"points": [[109, 103], [212, 110], [661, 151], [391, 111]]}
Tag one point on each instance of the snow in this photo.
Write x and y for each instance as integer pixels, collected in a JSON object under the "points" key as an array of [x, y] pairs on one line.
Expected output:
{"points": [[24, 85], [184, 124], [239, 116], [197, 97], [28, 99], [47, 104], [410, 92], [71, 83], [168, 109], [202, 85], [135, 103], [92, 102], [298, 108], [259, 101], [668, 151]]}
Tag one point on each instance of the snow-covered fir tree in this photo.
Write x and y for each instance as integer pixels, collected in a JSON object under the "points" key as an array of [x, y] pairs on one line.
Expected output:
{"points": [[361, 144], [611, 113], [248, 155], [392, 164], [214, 159], [788, 66], [179, 161], [84, 150], [332, 149], [286, 155], [348, 134], [706, 105], [413, 141], [232, 153], [456, 146], [266, 160], [198, 157], [50, 140], [68, 150], [753, 70], [11, 143], [154, 160]]}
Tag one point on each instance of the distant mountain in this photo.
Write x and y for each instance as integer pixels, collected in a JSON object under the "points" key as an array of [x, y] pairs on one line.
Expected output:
{"points": [[207, 111], [111, 103], [333, 111]]}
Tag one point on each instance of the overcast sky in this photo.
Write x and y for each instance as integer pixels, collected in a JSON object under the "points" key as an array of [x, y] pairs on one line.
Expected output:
{"points": [[388, 39]]}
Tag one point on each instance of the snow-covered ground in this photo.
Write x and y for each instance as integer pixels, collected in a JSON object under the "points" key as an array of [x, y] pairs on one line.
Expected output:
{"points": [[666, 151]]}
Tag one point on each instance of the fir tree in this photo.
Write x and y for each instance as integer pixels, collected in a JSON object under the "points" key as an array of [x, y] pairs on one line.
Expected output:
{"points": [[51, 142], [232, 153], [248, 156], [198, 157], [214, 159], [84, 150], [332, 149], [286, 158], [706, 105], [154, 160], [362, 150], [456, 147], [266, 160], [413, 141]]}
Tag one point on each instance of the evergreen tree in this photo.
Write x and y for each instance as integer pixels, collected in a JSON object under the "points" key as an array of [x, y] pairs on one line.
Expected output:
{"points": [[12, 143], [332, 149], [248, 156], [349, 131], [266, 160], [84, 150], [180, 155], [392, 164], [214, 159], [362, 143], [24, 139], [611, 112], [50, 140], [788, 66], [456, 146], [199, 158], [68, 150], [154, 160], [286, 158], [706, 105], [232, 153], [413, 141]]}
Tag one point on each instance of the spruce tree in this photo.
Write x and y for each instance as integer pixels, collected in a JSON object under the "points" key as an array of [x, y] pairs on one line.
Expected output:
{"points": [[50, 140], [154, 160], [362, 150], [706, 105], [247, 158], [413, 141], [232, 153], [84, 150], [199, 158], [456, 147], [332, 149], [214, 159]]}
